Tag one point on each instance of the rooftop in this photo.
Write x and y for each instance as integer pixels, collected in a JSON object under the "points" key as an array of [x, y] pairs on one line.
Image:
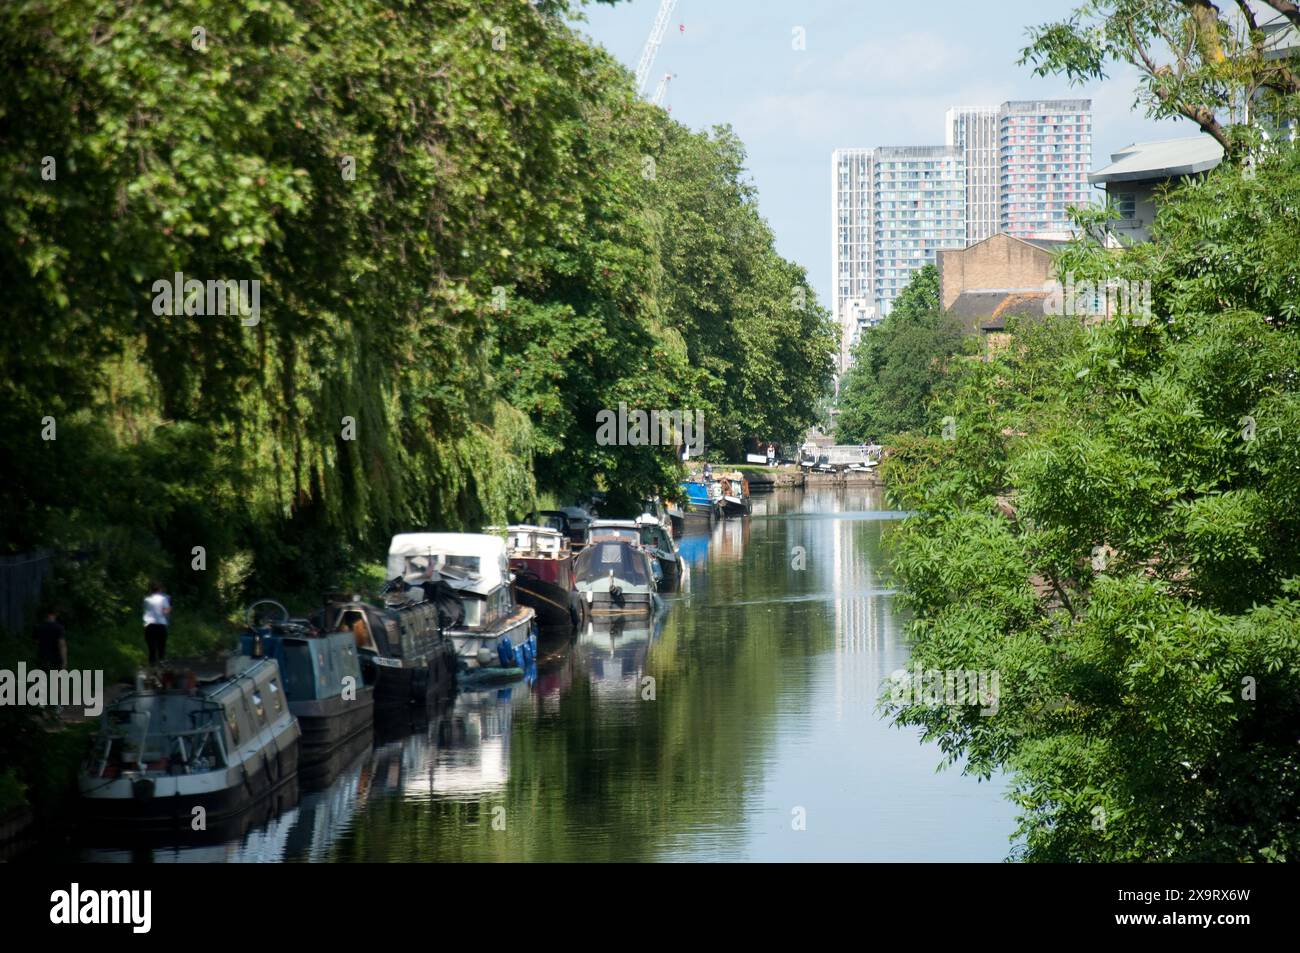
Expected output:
{"points": [[988, 310], [1163, 159]]}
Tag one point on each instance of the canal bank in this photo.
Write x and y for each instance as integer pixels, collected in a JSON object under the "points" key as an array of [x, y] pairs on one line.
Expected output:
{"points": [[741, 724]]}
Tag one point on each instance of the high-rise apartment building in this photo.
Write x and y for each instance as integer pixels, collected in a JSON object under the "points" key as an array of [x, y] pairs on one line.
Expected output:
{"points": [[975, 132], [852, 231], [1013, 169], [920, 207], [1044, 154], [893, 209]]}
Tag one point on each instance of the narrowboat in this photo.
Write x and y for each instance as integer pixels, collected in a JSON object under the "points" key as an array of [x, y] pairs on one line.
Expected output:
{"points": [[701, 505], [658, 542], [574, 529], [402, 646], [223, 742], [735, 494], [579, 518], [616, 578], [629, 530], [542, 563], [493, 630], [322, 679]]}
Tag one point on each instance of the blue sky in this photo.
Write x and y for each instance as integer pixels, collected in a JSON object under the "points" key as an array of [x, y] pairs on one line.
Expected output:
{"points": [[872, 74]]}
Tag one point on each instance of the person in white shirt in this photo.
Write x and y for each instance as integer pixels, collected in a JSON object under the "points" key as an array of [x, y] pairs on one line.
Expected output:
{"points": [[157, 616]]}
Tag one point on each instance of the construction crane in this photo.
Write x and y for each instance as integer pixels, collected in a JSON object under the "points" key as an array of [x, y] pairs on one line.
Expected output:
{"points": [[662, 88], [652, 42]]}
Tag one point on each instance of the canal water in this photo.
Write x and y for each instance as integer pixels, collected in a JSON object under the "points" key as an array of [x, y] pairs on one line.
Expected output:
{"points": [[741, 725]]}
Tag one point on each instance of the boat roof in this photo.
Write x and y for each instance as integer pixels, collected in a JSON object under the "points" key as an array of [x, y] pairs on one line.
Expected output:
{"points": [[446, 544], [613, 524], [490, 551], [539, 530]]}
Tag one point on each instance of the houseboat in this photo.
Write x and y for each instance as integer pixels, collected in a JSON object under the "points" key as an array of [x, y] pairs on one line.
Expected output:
{"points": [[542, 563], [579, 518], [629, 530], [402, 645], [735, 494], [575, 529], [701, 506], [658, 542], [493, 631], [224, 741], [322, 677], [616, 578]]}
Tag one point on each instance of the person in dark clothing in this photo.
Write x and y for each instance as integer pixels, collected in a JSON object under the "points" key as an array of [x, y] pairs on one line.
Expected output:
{"points": [[51, 643]]}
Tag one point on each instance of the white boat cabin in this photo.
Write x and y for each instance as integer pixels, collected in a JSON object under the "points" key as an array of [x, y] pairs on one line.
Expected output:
{"points": [[476, 564]]}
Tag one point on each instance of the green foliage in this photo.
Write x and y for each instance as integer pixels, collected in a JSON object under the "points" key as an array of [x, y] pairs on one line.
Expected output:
{"points": [[436, 332], [1212, 64], [900, 366], [1111, 527]]}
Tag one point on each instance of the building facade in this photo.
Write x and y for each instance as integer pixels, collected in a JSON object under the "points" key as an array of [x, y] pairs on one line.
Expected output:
{"points": [[1015, 168], [974, 130], [1137, 175], [920, 207], [1044, 156], [852, 238]]}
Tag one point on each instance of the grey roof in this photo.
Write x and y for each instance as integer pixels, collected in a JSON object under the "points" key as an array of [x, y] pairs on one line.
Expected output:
{"points": [[1163, 159], [1280, 39], [988, 310]]}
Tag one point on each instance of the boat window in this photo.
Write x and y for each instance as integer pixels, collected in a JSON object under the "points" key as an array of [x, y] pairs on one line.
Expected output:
{"points": [[275, 695], [468, 563], [233, 724], [473, 611], [354, 621], [258, 706]]}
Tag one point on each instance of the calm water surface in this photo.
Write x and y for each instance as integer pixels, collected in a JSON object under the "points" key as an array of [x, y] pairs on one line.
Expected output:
{"points": [[764, 680]]}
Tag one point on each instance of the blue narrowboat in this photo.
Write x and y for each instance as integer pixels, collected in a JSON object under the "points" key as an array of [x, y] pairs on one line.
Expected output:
{"points": [[323, 681]]}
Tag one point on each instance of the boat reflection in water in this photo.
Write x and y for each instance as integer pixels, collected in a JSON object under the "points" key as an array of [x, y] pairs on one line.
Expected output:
{"points": [[464, 753], [614, 653], [295, 827]]}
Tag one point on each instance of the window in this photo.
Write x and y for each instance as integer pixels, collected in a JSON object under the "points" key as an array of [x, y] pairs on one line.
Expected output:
{"points": [[1126, 203]]}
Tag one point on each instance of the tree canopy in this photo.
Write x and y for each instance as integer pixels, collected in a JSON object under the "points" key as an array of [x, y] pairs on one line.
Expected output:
{"points": [[900, 365], [1113, 527], [1220, 67], [469, 236]]}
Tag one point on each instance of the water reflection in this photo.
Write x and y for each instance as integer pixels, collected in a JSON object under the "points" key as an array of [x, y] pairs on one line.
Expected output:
{"points": [[710, 732], [613, 654]]}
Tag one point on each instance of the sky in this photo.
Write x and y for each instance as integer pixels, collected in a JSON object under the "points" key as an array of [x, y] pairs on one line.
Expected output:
{"points": [[871, 74]]}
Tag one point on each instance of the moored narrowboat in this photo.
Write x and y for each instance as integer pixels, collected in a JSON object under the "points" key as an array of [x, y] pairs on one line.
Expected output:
{"points": [[222, 742], [735, 494], [616, 578], [658, 542], [493, 631], [322, 678], [542, 564], [402, 646], [701, 505]]}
